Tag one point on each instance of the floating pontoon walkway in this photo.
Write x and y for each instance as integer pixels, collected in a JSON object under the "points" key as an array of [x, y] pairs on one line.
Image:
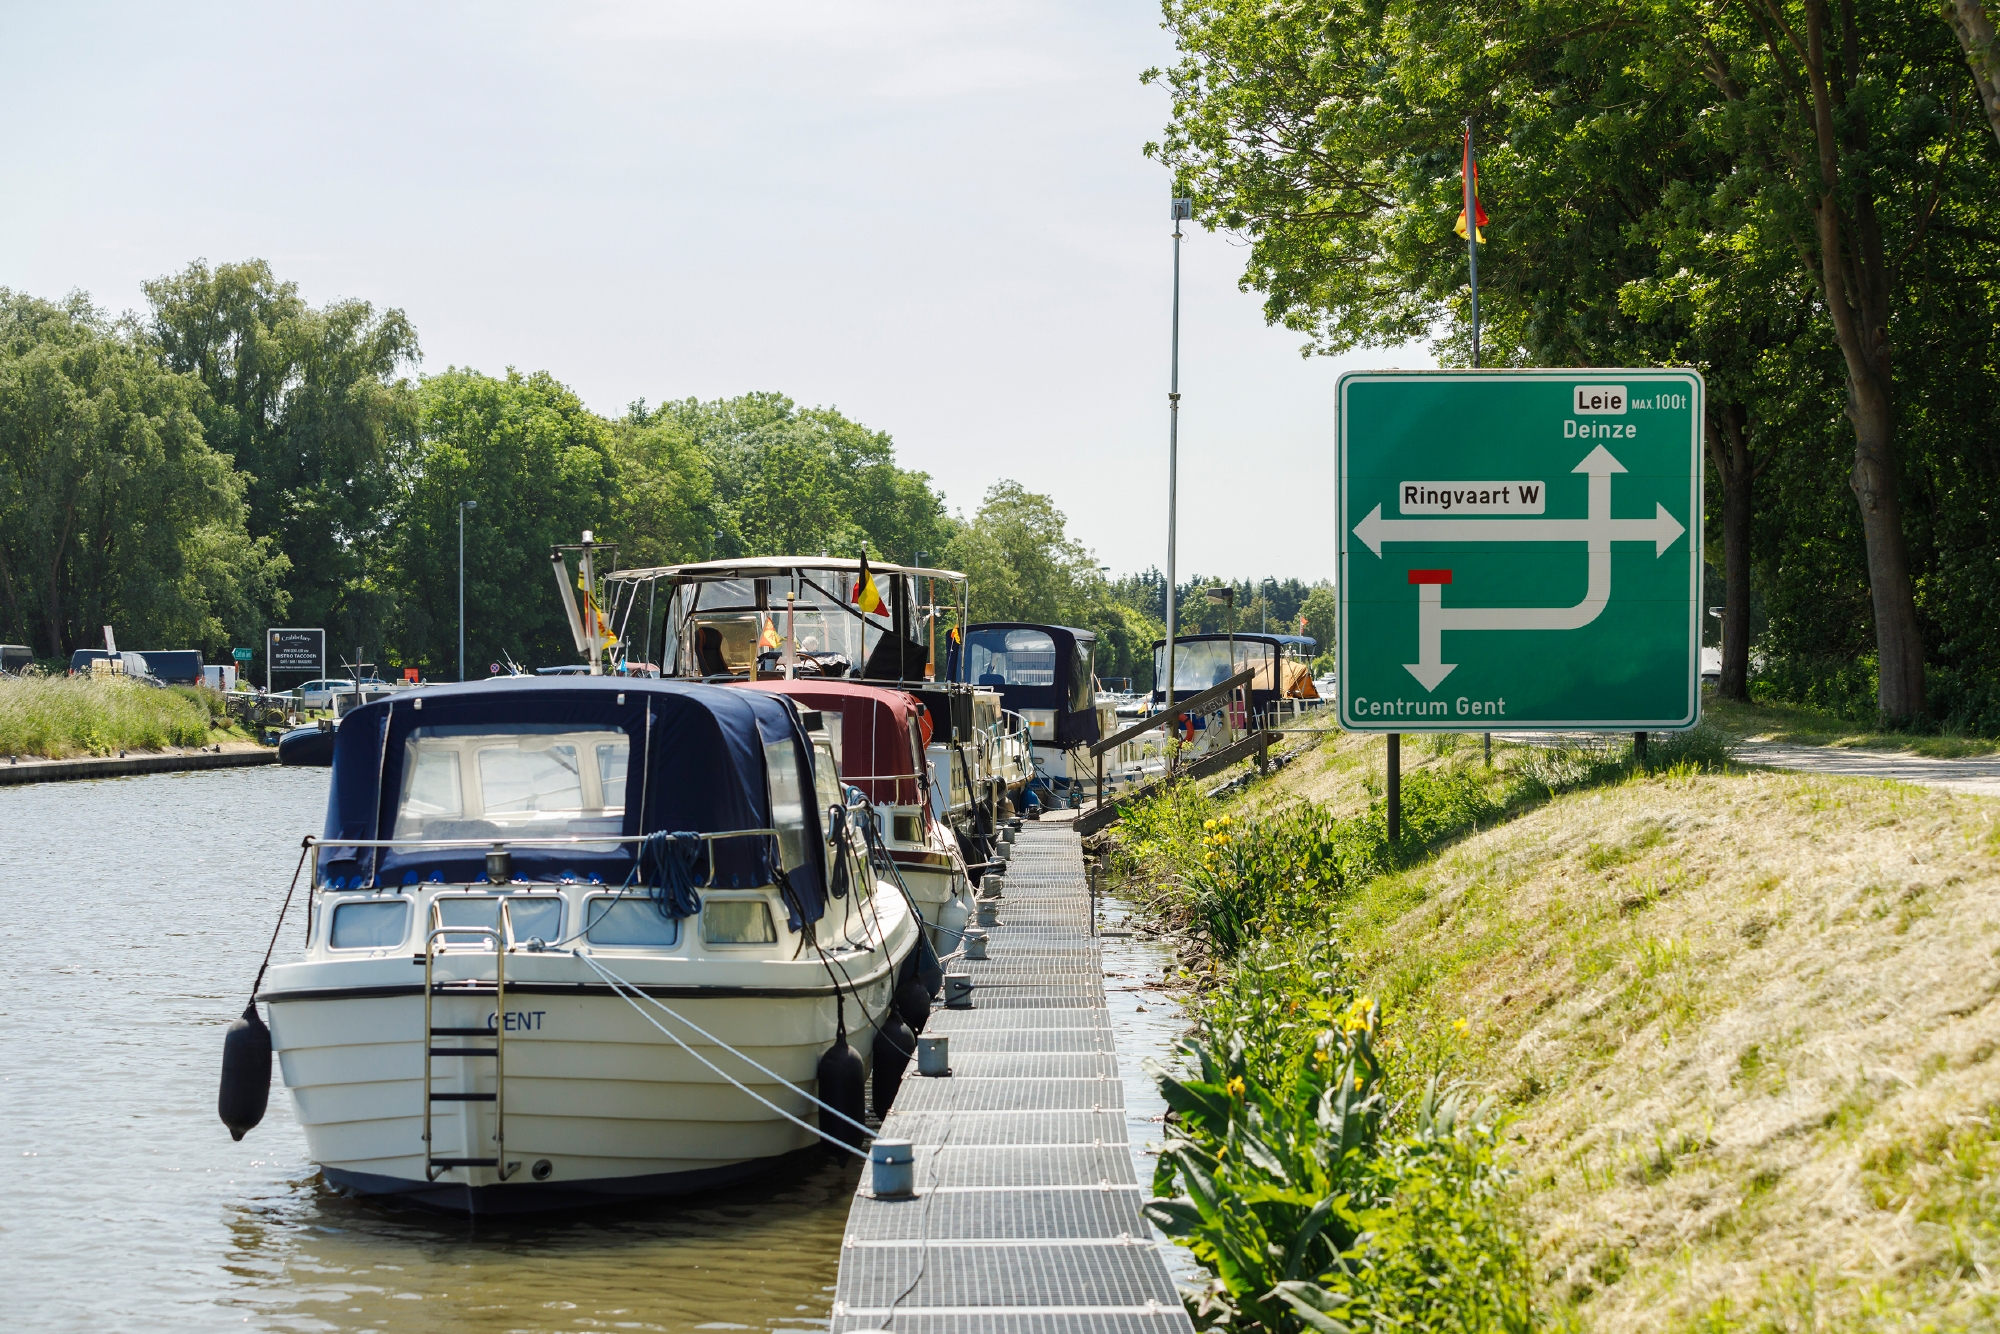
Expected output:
{"points": [[1026, 1217]]}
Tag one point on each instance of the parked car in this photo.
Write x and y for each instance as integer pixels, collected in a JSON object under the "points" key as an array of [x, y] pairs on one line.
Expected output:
{"points": [[319, 694]]}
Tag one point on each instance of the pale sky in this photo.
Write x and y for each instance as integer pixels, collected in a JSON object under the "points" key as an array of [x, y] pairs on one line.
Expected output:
{"points": [[935, 217]]}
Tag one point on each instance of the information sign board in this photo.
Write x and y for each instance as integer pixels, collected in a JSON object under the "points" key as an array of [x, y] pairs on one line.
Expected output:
{"points": [[294, 651], [241, 654], [1519, 550]]}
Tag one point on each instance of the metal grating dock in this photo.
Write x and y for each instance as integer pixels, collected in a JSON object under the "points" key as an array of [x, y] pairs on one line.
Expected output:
{"points": [[1026, 1218]]}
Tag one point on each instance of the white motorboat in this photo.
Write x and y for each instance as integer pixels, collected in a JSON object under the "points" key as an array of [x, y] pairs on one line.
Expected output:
{"points": [[583, 938], [771, 618], [1043, 675]]}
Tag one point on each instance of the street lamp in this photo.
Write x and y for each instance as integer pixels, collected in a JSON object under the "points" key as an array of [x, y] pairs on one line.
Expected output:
{"points": [[1183, 209], [463, 506]]}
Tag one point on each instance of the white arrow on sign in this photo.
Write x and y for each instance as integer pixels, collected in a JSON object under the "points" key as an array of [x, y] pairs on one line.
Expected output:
{"points": [[1598, 530], [1662, 530]]}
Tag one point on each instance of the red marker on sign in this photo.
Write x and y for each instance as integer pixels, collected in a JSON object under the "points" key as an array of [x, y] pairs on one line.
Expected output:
{"points": [[1430, 576]]}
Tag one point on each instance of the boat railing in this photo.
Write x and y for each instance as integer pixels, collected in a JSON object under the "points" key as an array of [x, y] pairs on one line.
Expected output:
{"points": [[502, 847]]}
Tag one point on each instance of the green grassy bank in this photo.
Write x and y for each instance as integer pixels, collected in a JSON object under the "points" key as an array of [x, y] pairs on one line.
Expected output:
{"points": [[1688, 1048], [56, 717]]}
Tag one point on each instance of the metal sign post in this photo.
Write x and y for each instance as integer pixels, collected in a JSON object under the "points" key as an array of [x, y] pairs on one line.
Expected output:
{"points": [[1519, 549]]}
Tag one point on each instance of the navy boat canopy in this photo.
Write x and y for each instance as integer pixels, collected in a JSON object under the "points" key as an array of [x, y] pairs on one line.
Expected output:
{"points": [[1037, 668], [535, 757]]}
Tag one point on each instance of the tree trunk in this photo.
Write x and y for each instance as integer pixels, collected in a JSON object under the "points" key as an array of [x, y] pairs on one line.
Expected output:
{"points": [[1899, 643], [1729, 450], [1854, 277], [1975, 33]]}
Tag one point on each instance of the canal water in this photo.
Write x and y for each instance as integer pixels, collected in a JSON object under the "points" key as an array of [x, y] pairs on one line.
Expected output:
{"points": [[133, 914]]}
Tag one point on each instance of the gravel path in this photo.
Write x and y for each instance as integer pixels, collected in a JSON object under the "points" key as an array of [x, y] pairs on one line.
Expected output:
{"points": [[1977, 774]]}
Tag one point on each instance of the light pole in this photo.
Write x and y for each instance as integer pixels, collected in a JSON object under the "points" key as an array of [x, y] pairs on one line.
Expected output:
{"points": [[1182, 209], [463, 506]]}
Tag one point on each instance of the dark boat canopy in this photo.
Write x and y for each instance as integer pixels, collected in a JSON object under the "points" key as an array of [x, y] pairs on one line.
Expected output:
{"points": [[528, 757], [1045, 668], [1201, 661]]}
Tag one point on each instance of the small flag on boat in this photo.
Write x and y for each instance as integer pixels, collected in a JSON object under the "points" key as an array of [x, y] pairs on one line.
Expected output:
{"points": [[591, 615], [770, 638], [866, 595], [1468, 172]]}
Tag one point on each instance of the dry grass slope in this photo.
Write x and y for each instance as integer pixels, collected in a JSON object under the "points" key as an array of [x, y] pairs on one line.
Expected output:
{"points": [[1746, 1021]]}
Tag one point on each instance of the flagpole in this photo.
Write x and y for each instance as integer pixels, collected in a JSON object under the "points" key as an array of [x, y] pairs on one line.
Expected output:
{"points": [[1471, 234], [1472, 258]]}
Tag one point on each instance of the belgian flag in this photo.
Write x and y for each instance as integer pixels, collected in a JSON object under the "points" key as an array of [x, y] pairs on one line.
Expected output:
{"points": [[1468, 173], [866, 595]]}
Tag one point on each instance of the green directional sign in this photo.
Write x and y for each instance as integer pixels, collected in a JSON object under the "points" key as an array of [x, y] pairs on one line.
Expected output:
{"points": [[1519, 549]]}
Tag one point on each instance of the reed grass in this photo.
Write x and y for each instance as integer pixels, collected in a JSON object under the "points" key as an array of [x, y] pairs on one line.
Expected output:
{"points": [[55, 717]]}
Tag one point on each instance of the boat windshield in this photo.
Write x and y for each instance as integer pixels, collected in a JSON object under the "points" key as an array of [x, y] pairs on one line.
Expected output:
{"points": [[1201, 663], [523, 781], [743, 626], [1011, 657]]}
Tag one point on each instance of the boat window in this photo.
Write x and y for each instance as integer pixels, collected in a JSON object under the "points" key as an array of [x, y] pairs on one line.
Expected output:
{"points": [[534, 774], [788, 802], [378, 924], [629, 921], [611, 761], [529, 780], [533, 916], [1011, 658], [1198, 664], [1081, 696], [826, 774], [725, 643], [737, 922], [433, 785]]}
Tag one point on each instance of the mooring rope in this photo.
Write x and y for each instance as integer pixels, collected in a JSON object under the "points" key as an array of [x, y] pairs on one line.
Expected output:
{"points": [[620, 986]]}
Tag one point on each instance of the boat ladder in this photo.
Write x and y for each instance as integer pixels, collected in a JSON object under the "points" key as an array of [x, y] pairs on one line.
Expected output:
{"points": [[466, 1046]]}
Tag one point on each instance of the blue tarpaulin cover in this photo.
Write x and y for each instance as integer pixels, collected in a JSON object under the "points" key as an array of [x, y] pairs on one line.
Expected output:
{"points": [[697, 765]]}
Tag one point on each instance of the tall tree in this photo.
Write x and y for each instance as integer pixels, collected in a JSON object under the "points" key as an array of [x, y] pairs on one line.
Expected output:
{"points": [[541, 468], [113, 509], [1024, 566], [665, 511], [1817, 148], [1974, 30], [311, 405], [801, 481]]}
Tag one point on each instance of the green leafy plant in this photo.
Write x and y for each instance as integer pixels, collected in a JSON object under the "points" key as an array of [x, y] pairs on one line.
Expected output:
{"points": [[1316, 1205]]}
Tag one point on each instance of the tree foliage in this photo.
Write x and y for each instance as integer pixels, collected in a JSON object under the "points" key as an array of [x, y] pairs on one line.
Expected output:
{"points": [[312, 409], [1024, 566], [1798, 199], [113, 508]]}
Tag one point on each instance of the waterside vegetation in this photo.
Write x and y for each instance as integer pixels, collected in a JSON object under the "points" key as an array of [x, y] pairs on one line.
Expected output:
{"points": [[1683, 1046], [59, 718]]}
